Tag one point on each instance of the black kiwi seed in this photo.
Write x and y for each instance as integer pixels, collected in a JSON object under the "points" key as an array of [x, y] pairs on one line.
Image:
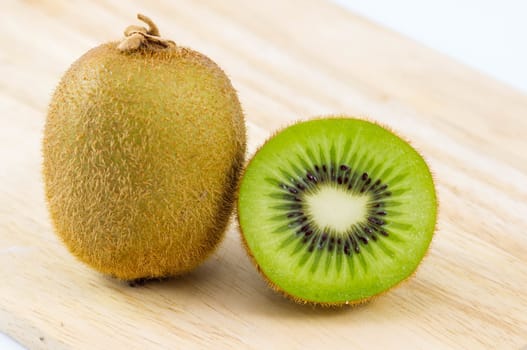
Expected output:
{"points": [[354, 244], [311, 177]]}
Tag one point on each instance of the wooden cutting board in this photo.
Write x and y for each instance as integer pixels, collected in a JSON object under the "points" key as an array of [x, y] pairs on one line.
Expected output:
{"points": [[289, 62]]}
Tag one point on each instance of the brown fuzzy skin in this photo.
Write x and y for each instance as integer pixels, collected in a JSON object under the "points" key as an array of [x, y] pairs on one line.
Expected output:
{"points": [[277, 288], [142, 154]]}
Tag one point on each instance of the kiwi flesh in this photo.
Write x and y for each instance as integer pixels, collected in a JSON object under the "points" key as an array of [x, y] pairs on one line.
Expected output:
{"points": [[143, 146], [336, 210]]}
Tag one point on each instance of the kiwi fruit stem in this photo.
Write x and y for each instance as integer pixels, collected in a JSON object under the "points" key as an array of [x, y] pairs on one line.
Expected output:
{"points": [[137, 37]]}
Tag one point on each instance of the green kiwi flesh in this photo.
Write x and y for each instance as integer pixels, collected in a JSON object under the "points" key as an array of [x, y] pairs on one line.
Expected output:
{"points": [[336, 210]]}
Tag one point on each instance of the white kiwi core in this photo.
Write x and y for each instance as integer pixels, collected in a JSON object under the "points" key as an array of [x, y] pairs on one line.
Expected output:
{"points": [[332, 208]]}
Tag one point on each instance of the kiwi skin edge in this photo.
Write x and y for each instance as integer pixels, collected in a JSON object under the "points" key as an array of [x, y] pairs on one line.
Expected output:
{"points": [[313, 303]]}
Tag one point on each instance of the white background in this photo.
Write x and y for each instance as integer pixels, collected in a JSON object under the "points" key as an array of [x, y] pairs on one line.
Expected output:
{"points": [[488, 35]]}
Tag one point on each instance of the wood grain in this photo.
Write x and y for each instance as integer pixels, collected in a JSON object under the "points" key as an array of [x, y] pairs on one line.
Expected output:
{"points": [[289, 61]]}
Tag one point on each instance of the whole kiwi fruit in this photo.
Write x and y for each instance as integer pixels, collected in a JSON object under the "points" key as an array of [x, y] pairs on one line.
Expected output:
{"points": [[143, 146], [336, 210]]}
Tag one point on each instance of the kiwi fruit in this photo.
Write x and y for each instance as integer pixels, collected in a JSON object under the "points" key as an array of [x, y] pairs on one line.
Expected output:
{"points": [[336, 210], [143, 146]]}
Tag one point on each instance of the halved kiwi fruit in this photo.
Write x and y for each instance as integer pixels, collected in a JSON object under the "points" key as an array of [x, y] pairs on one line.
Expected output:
{"points": [[336, 210]]}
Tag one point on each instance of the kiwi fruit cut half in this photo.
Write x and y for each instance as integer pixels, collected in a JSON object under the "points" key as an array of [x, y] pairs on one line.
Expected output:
{"points": [[143, 146], [336, 210]]}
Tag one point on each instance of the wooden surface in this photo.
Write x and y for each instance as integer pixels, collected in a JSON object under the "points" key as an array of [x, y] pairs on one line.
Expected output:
{"points": [[288, 63]]}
